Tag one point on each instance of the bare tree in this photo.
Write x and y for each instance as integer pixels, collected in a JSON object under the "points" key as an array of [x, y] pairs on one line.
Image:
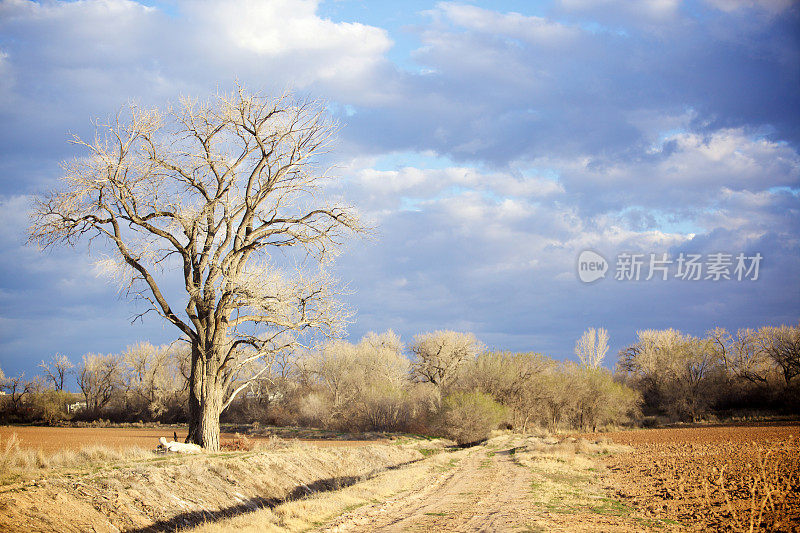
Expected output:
{"points": [[57, 370], [513, 379], [210, 189], [782, 346], [18, 387], [677, 373], [438, 355], [153, 376], [99, 377], [742, 355], [592, 347]]}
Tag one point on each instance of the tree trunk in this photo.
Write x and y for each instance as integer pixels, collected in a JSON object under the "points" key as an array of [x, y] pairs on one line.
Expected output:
{"points": [[195, 388], [208, 427], [205, 402]]}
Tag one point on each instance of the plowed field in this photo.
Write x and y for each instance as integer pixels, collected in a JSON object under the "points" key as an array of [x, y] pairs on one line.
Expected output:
{"points": [[722, 478]]}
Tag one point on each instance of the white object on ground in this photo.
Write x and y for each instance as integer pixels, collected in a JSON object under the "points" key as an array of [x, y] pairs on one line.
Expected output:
{"points": [[178, 447]]}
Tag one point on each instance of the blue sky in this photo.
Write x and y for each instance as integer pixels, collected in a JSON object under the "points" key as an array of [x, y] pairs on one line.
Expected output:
{"points": [[489, 142]]}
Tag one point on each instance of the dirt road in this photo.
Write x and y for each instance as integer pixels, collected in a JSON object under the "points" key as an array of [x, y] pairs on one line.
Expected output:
{"points": [[502, 486]]}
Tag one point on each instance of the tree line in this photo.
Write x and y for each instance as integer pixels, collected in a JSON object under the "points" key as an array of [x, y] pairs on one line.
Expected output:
{"points": [[143, 383], [443, 382], [682, 377]]}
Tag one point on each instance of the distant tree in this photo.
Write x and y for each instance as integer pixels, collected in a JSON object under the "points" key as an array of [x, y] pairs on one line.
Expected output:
{"points": [[513, 379], [782, 346], [18, 388], [57, 370], [153, 376], [211, 190], [742, 355], [675, 372], [592, 347], [558, 396], [99, 378], [438, 355]]}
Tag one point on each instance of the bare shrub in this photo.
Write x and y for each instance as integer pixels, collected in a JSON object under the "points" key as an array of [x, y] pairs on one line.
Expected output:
{"points": [[366, 384], [100, 378], [469, 417]]}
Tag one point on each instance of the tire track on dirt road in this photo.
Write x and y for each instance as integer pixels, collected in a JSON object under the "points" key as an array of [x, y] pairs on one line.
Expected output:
{"points": [[479, 489]]}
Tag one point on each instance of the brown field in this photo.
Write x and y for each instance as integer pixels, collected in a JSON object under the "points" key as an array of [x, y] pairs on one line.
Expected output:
{"points": [[734, 478], [53, 439]]}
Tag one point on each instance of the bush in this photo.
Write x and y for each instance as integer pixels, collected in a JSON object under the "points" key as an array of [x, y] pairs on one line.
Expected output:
{"points": [[469, 417]]}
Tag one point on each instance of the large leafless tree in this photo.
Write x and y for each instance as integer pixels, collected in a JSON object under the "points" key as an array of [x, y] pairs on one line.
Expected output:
{"points": [[212, 190]]}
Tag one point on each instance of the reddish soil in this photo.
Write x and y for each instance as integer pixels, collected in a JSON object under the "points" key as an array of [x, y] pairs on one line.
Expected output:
{"points": [[52, 439], [713, 434], [728, 478]]}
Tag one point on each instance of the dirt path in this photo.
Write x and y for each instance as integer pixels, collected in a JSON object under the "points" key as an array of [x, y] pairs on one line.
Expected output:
{"points": [[472, 492], [486, 488]]}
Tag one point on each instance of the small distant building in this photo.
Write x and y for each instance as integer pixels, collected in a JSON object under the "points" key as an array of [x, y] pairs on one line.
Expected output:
{"points": [[75, 407]]}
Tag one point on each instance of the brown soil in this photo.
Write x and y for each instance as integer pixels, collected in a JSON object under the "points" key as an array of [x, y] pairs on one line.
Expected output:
{"points": [[52, 439], [714, 434], [720, 478]]}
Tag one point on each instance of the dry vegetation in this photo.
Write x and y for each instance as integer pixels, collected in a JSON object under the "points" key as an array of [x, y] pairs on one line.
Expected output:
{"points": [[708, 478], [108, 490], [21, 463]]}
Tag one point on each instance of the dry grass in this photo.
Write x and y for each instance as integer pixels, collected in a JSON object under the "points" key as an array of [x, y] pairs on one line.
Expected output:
{"points": [[17, 463], [125, 490], [318, 509]]}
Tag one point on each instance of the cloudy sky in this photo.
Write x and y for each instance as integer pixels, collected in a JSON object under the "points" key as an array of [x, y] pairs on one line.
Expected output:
{"points": [[489, 142]]}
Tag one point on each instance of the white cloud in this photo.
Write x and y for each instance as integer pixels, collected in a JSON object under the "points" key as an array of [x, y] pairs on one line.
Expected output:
{"points": [[286, 26], [536, 30], [261, 36], [685, 167], [120, 47], [387, 190], [653, 10]]}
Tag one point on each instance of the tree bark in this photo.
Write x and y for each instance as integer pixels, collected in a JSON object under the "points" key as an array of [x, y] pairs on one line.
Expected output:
{"points": [[195, 389], [205, 402], [208, 425]]}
